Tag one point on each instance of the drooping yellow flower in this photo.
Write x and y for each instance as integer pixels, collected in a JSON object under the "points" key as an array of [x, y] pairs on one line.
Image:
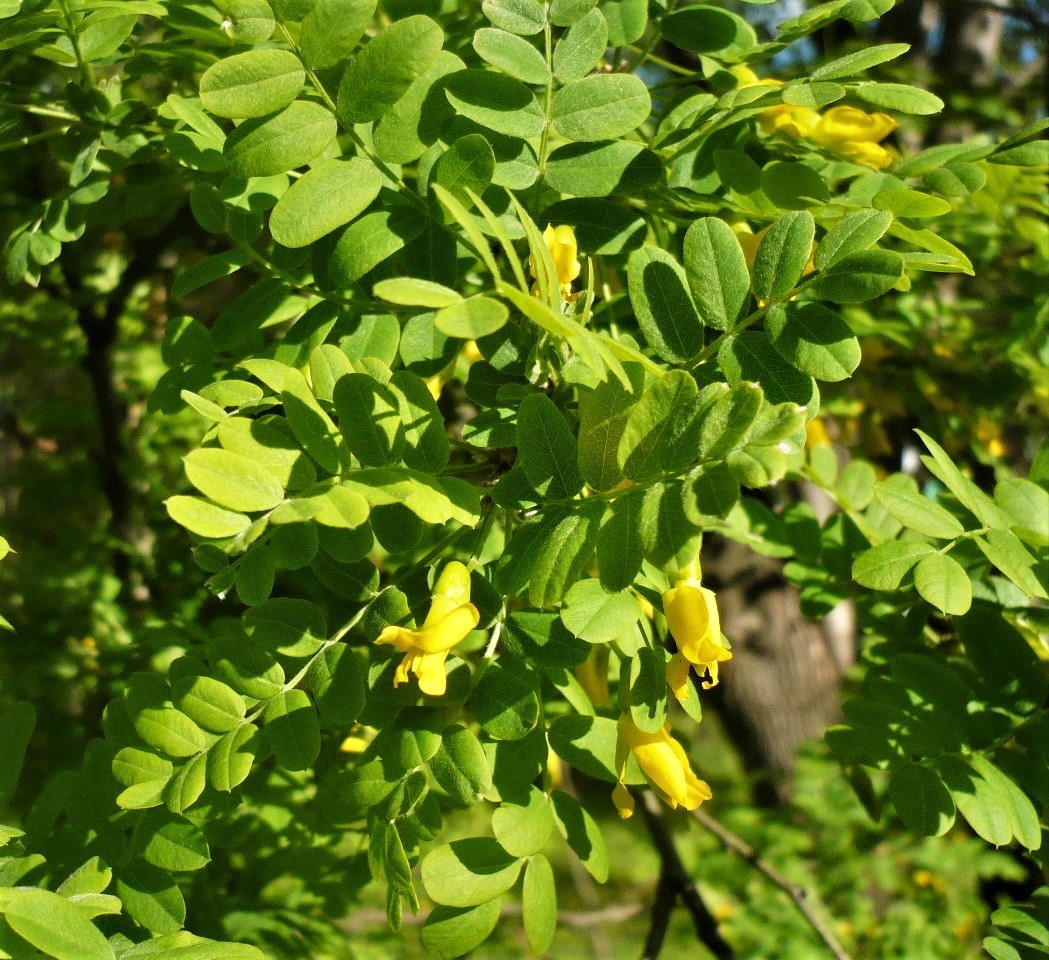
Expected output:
{"points": [[450, 618], [847, 131], [692, 616], [592, 675], [664, 763], [564, 252]]}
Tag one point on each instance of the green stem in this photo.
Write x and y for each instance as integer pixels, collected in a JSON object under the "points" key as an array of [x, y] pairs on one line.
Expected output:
{"points": [[544, 140], [74, 38]]}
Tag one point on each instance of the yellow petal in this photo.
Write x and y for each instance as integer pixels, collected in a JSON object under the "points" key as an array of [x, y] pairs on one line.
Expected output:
{"points": [[851, 125], [677, 676], [692, 616], [429, 668], [445, 633], [623, 800]]}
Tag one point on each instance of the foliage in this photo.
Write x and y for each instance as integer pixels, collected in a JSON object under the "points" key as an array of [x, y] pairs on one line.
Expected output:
{"points": [[473, 321]]}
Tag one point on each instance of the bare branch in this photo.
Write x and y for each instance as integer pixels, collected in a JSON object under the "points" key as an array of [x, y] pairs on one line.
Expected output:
{"points": [[797, 893], [674, 883]]}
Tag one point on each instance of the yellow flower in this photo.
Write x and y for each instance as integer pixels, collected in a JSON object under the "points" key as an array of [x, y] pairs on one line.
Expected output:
{"points": [[663, 762], [868, 154], [789, 120], [450, 618], [841, 125], [692, 616], [592, 675], [563, 251]]}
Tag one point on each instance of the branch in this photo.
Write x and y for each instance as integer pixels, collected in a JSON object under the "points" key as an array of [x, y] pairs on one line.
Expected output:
{"points": [[797, 893], [675, 882]]}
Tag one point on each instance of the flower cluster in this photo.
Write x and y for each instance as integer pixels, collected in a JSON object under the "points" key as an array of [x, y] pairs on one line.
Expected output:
{"points": [[450, 618], [692, 619], [848, 132]]}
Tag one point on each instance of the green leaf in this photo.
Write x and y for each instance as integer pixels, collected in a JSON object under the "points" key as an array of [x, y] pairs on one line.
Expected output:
{"points": [[662, 427], [505, 706], [53, 925], [1023, 817], [601, 107], [627, 20], [900, 97], [449, 931], [968, 494], [910, 203], [859, 277], [1026, 504], [472, 319], [663, 305], [209, 703], [369, 418], [751, 356], [981, 801], [249, 21], [883, 567], [539, 904], [814, 339], [512, 55], [337, 681], [274, 144], [271, 446], [332, 29], [783, 255], [133, 766], [171, 842], [922, 799], [252, 84], [861, 60], [619, 543], [727, 422], [386, 67], [170, 731], [547, 449], [426, 444], [581, 47], [582, 833], [523, 17], [414, 122], [370, 240], [496, 101], [468, 164], [460, 766], [151, 898], [17, 721], [292, 730], [231, 480], [187, 785], [603, 416], [793, 186], [701, 29], [599, 169], [717, 272], [522, 825], [647, 688], [411, 292], [231, 758], [596, 616], [852, 234], [1010, 556], [466, 873], [918, 513], [323, 199], [942, 581], [589, 745]]}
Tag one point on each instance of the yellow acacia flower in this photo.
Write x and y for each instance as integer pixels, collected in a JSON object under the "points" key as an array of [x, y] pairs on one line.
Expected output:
{"points": [[592, 675], [564, 252], [664, 763], [841, 125], [789, 120], [692, 616], [450, 618]]}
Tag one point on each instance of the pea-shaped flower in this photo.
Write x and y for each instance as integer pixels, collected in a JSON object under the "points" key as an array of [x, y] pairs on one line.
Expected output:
{"points": [[450, 618], [855, 134], [664, 763], [561, 243], [692, 616]]}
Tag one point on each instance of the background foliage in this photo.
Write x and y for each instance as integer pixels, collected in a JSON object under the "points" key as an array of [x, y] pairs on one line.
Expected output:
{"points": [[283, 334]]}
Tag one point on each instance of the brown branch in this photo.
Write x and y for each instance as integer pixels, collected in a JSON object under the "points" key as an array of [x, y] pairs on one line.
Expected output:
{"points": [[797, 893], [675, 883]]}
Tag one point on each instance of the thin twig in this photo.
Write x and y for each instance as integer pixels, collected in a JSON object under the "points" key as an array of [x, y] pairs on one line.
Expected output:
{"points": [[674, 883], [797, 893]]}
